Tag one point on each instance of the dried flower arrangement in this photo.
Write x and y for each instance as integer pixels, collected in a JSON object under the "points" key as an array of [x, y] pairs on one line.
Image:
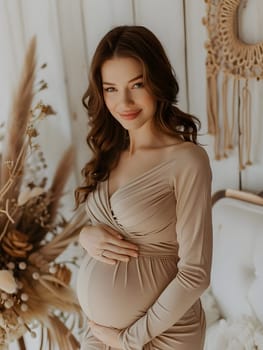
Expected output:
{"points": [[34, 286]]}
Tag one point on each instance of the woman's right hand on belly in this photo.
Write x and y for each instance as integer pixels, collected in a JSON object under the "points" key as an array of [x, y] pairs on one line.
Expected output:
{"points": [[106, 245]]}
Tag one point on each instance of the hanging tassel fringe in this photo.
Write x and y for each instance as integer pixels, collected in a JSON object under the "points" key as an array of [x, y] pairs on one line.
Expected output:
{"points": [[237, 61]]}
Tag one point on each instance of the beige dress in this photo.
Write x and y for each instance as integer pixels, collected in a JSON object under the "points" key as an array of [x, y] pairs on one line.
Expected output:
{"points": [[154, 298]]}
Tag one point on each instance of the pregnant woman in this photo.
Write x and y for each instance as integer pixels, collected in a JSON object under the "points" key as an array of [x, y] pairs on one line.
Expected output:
{"points": [[147, 192]]}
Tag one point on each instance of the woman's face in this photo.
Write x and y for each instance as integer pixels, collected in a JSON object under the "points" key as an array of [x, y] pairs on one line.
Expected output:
{"points": [[125, 95]]}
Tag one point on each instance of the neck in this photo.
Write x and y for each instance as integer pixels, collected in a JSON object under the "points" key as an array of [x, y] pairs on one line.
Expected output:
{"points": [[148, 138], [142, 138]]}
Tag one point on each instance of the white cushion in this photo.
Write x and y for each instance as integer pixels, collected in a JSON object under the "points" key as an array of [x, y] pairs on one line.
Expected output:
{"points": [[243, 334], [238, 227], [255, 292]]}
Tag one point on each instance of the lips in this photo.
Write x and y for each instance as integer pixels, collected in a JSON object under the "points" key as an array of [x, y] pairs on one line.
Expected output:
{"points": [[128, 115]]}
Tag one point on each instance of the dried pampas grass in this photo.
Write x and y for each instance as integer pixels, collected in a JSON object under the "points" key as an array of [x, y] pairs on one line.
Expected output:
{"points": [[34, 286], [14, 146]]}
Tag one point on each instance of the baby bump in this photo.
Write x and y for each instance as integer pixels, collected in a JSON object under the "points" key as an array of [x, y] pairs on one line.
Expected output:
{"points": [[117, 295]]}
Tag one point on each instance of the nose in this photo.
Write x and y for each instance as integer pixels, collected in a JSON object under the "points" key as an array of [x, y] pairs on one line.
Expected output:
{"points": [[126, 97]]}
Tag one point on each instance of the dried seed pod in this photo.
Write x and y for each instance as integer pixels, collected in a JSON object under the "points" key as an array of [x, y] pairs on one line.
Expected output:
{"points": [[15, 243]]}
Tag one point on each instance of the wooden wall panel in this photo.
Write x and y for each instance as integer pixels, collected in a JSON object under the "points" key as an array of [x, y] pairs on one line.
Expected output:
{"points": [[226, 171], [68, 33], [11, 52], [250, 31], [102, 15], [49, 50], [166, 20], [196, 56], [14, 33], [74, 56]]}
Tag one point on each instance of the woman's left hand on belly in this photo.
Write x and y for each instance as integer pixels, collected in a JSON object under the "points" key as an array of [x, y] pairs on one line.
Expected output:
{"points": [[108, 335]]}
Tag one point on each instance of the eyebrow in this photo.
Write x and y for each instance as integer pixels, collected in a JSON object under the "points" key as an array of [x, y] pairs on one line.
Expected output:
{"points": [[130, 81]]}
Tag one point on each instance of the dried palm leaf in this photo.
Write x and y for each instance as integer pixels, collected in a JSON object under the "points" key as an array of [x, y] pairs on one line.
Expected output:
{"points": [[61, 335], [45, 296]]}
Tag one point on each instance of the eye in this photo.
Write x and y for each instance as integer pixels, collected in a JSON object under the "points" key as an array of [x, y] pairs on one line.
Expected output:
{"points": [[138, 85], [109, 89]]}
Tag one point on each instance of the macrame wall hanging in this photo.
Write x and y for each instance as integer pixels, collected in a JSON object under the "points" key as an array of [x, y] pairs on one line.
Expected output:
{"points": [[230, 64]]}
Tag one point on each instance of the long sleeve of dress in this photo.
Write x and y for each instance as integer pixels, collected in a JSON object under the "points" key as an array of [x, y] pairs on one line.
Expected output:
{"points": [[192, 189]]}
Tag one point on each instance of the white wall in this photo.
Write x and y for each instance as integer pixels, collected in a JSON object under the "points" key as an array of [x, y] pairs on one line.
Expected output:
{"points": [[67, 34]]}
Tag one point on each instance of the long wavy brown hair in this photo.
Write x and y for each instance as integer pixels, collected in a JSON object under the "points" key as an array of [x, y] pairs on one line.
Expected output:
{"points": [[107, 138]]}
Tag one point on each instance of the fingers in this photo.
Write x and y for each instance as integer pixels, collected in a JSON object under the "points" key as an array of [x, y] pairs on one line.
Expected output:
{"points": [[106, 260], [102, 238], [113, 232], [122, 243], [114, 256], [120, 250], [96, 329], [116, 239]]}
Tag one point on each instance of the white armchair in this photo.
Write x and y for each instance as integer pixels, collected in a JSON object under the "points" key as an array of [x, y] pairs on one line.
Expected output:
{"points": [[234, 302]]}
